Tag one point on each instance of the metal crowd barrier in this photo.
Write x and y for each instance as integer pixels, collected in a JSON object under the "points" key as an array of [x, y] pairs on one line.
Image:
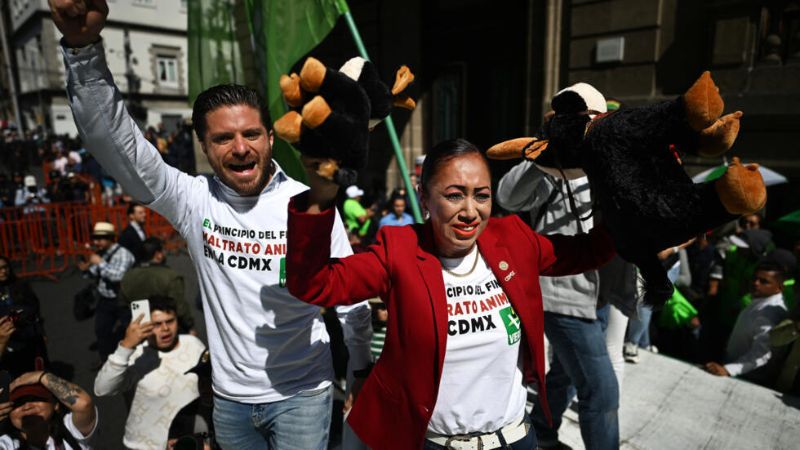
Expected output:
{"points": [[47, 239]]}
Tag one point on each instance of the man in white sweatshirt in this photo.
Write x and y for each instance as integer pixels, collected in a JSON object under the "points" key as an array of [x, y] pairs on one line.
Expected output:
{"points": [[271, 360], [749, 352], [152, 360]]}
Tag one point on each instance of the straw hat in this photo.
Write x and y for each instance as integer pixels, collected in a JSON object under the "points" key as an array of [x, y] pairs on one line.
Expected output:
{"points": [[103, 230]]}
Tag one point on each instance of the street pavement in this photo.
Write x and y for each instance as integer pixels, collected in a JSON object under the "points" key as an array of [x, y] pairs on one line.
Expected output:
{"points": [[668, 404], [665, 404]]}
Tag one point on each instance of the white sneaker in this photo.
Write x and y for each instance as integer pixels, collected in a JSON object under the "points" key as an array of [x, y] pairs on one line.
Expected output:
{"points": [[653, 349], [631, 353]]}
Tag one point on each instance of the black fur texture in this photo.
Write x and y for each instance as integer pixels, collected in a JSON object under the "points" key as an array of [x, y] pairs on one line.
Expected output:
{"points": [[344, 135], [646, 199], [380, 97]]}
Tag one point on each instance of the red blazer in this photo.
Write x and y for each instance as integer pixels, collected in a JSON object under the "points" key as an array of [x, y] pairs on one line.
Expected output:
{"points": [[396, 402]]}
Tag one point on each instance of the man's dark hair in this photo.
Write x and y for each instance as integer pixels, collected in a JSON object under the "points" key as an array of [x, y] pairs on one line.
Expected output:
{"points": [[226, 95], [162, 303], [150, 247], [770, 266], [132, 206]]}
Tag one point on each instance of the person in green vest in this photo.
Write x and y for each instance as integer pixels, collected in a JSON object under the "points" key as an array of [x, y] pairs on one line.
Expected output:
{"points": [[356, 217], [679, 328]]}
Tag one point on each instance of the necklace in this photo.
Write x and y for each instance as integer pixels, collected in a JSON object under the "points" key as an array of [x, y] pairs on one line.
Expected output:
{"points": [[465, 274]]}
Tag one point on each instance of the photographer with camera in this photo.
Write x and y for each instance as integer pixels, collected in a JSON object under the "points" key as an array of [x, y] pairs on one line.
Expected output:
{"points": [[22, 337], [30, 194], [107, 267]]}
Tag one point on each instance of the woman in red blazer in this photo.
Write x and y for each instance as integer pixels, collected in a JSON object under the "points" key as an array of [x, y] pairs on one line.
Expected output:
{"points": [[465, 329]]}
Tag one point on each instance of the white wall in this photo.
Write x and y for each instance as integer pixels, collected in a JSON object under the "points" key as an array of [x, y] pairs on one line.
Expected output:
{"points": [[21, 10], [155, 13], [141, 44]]}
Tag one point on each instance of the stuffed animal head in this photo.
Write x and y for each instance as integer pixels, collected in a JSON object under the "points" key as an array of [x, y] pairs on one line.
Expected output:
{"points": [[332, 112], [561, 135]]}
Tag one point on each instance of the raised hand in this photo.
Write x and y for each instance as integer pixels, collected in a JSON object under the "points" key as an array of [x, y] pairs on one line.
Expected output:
{"points": [[323, 191], [137, 332], [5, 409], [80, 21]]}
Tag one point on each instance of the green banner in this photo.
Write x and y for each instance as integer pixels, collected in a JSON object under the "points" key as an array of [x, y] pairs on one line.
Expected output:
{"points": [[283, 32], [214, 56]]}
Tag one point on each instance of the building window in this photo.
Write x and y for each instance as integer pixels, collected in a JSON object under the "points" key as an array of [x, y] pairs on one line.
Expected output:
{"points": [[448, 102], [167, 67]]}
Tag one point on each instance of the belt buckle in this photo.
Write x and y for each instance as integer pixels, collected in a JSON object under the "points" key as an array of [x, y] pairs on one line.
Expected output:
{"points": [[452, 442]]}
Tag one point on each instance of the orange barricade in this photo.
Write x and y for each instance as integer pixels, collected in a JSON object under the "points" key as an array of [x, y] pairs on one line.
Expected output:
{"points": [[43, 240]]}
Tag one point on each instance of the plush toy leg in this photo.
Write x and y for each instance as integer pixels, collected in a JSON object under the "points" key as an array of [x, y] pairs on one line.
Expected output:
{"points": [[289, 127], [526, 147], [290, 86], [741, 190], [312, 75], [703, 103], [405, 102], [719, 137], [402, 79], [657, 287], [327, 169], [316, 112]]}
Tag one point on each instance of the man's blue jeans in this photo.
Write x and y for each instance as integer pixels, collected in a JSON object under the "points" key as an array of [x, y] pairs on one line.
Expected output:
{"points": [[580, 359], [300, 422]]}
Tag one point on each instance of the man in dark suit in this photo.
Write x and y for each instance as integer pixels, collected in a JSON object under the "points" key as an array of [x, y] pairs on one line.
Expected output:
{"points": [[133, 236]]}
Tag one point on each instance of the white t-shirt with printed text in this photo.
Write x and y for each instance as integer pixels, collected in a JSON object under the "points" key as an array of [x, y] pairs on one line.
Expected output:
{"points": [[265, 344], [481, 387]]}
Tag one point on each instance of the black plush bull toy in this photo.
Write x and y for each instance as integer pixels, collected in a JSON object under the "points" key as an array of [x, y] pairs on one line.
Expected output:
{"points": [[632, 158], [332, 112]]}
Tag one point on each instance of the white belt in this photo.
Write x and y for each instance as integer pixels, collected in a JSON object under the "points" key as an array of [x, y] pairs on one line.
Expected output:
{"points": [[510, 433]]}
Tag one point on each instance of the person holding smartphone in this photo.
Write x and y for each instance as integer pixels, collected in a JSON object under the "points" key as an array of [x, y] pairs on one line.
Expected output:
{"points": [[152, 360]]}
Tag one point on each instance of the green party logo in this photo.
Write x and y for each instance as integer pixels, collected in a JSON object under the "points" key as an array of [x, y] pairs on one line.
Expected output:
{"points": [[511, 321], [282, 276]]}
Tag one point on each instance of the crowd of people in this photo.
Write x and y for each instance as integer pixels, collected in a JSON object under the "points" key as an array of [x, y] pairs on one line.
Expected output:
{"points": [[57, 168], [445, 323]]}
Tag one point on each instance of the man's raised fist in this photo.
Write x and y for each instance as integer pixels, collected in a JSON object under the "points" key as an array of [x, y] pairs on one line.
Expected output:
{"points": [[80, 21]]}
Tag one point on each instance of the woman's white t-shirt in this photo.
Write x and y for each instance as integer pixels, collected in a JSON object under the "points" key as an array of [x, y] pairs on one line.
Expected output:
{"points": [[481, 387]]}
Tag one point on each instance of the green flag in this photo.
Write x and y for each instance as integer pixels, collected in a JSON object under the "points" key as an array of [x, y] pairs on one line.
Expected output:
{"points": [[214, 56], [283, 32]]}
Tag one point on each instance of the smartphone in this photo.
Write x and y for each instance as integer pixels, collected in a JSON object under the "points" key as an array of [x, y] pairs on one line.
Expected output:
{"points": [[140, 307]]}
